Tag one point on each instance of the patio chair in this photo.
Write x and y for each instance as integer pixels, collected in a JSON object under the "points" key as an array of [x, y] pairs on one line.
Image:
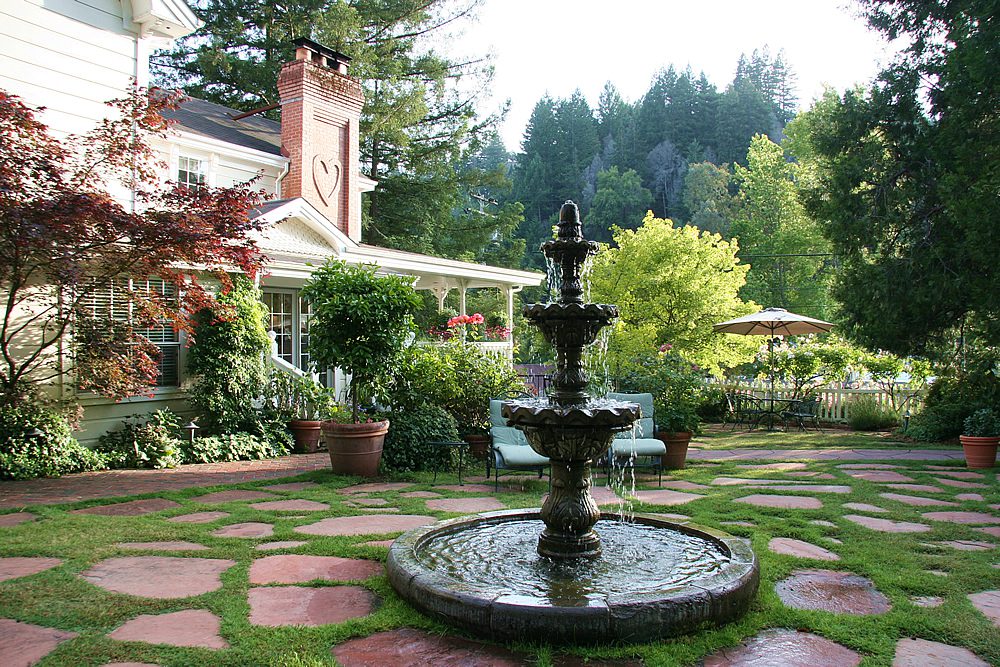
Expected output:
{"points": [[803, 412], [511, 451], [746, 409], [644, 450]]}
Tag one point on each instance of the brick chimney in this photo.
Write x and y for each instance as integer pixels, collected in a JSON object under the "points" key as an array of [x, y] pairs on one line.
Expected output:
{"points": [[320, 109]]}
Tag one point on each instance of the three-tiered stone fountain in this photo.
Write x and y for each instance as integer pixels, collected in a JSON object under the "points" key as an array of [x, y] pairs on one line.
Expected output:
{"points": [[589, 577]]}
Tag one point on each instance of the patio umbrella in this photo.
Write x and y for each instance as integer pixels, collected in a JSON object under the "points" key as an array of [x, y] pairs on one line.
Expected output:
{"points": [[772, 322]]}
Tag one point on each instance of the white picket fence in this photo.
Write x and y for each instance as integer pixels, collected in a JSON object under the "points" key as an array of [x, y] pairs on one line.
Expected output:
{"points": [[834, 403]]}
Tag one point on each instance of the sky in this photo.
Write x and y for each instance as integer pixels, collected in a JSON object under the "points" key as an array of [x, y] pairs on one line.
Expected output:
{"points": [[557, 46]]}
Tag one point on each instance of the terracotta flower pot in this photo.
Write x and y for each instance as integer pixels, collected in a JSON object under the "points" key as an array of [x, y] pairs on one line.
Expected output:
{"points": [[479, 445], [979, 452], [677, 448], [355, 449], [306, 434]]}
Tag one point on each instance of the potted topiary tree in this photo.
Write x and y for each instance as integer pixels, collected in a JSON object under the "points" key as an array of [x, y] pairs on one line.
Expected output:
{"points": [[360, 324], [980, 437]]}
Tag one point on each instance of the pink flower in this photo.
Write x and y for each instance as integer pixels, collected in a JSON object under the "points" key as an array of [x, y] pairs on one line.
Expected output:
{"points": [[666, 347]]}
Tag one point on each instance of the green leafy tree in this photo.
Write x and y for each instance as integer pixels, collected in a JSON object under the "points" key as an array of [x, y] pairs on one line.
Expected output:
{"points": [[620, 201], [808, 363], [360, 323], [776, 235], [671, 284], [706, 196], [907, 179]]}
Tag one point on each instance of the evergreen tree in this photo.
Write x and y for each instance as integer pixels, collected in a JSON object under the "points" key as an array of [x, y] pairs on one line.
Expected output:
{"points": [[620, 201], [707, 198]]}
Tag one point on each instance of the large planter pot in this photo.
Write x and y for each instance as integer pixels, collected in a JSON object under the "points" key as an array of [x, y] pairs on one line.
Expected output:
{"points": [[677, 448], [306, 434], [979, 452], [479, 445], [355, 449]]}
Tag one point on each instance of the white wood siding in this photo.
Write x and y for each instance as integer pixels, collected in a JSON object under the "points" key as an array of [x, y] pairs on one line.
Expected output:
{"points": [[70, 56]]}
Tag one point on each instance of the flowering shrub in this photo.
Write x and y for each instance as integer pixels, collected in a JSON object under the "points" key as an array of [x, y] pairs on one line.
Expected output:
{"points": [[473, 327]]}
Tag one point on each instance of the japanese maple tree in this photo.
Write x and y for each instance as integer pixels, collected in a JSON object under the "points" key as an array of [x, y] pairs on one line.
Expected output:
{"points": [[64, 236]]}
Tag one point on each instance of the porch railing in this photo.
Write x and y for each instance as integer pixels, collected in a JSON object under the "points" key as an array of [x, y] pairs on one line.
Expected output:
{"points": [[835, 403], [501, 349]]}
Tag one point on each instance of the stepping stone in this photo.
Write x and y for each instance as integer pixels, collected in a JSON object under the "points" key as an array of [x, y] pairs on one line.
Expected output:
{"points": [[880, 476], [275, 546], [744, 524], [129, 664], [970, 496], [278, 606], [959, 474], [300, 569], [987, 602], [602, 495], [959, 484], [377, 543], [782, 502], [810, 488], [420, 494], [864, 507], [787, 546], [923, 653], [232, 495], [131, 508], [465, 505], [666, 497], [834, 540], [477, 488], [15, 519], [17, 566], [406, 647], [250, 529], [937, 573], [961, 517], [381, 509], [375, 487], [868, 466], [190, 627], [773, 466], [917, 501], [813, 475], [162, 546], [685, 486], [828, 590], [24, 644], [927, 601], [293, 486], [371, 502], [990, 530], [821, 522], [293, 505], [781, 647], [739, 481], [566, 660], [919, 488], [161, 577], [366, 525], [967, 545], [199, 517], [887, 526]]}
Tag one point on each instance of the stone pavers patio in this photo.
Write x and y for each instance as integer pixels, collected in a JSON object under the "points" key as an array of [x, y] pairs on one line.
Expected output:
{"points": [[306, 589]]}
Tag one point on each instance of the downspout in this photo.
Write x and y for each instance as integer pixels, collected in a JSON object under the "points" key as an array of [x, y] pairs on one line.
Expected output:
{"points": [[280, 178]]}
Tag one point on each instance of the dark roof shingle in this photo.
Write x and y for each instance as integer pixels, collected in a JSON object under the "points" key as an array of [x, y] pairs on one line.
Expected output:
{"points": [[216, 121]]}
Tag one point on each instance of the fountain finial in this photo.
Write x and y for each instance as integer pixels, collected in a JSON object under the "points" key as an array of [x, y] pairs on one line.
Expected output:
{"points": [[569, 225]]}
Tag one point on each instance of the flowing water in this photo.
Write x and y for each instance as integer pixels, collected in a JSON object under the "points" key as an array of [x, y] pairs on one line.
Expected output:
{"points": [[637, 559]]}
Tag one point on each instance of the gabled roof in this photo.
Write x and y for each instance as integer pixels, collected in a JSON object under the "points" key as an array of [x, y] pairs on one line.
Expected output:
{"points": [[215, 121]]}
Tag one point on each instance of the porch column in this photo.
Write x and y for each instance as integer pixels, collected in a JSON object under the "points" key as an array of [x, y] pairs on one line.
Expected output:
{"points": [[441, 293], [461, 297]]}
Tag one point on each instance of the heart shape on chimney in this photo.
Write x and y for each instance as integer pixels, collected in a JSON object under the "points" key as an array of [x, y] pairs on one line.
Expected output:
{"points": [[326, 177]]}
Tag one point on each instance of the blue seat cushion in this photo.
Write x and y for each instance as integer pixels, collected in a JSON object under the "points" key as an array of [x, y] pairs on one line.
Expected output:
{"points": [[496, 419], [517, 456], [640, 447], [508, 435]]}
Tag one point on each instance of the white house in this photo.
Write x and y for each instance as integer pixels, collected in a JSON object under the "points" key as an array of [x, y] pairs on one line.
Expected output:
{"points": [[308, 162]]}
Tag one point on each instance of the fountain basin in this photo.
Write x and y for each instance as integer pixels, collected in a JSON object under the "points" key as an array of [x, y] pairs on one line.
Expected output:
{"points": [[655, 579]]}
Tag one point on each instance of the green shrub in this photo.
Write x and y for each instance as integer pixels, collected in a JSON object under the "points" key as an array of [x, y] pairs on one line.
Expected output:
{"points": [[982, 423], [410, 430], [952, 398], [675, 384], [231, 447], [457, 377], [866, 414], [53, 451], [228, 361], [712, 405], [144, 442]]}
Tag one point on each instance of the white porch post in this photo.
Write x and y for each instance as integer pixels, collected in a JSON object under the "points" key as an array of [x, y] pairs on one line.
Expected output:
{"points": [[461, 298], [441, 293]]}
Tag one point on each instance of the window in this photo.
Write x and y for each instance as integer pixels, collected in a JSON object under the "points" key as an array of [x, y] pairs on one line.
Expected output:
{"points": [[113, 301], [290, 315], [191, 172]]}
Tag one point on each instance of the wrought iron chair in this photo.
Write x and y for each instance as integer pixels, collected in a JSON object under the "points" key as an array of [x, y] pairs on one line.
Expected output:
{"points": [[746, 409], [803, 412]]}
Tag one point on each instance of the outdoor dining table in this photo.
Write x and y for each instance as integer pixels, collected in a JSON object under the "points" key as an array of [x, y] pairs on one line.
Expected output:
{"points": [[772, 409]]}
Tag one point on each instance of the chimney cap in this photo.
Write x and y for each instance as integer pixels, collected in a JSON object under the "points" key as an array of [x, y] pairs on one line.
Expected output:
{"points": [[325, 51]]}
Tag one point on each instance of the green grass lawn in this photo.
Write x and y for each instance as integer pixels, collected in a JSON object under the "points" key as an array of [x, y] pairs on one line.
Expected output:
{"points": [[718, 436], [897, 564]]}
